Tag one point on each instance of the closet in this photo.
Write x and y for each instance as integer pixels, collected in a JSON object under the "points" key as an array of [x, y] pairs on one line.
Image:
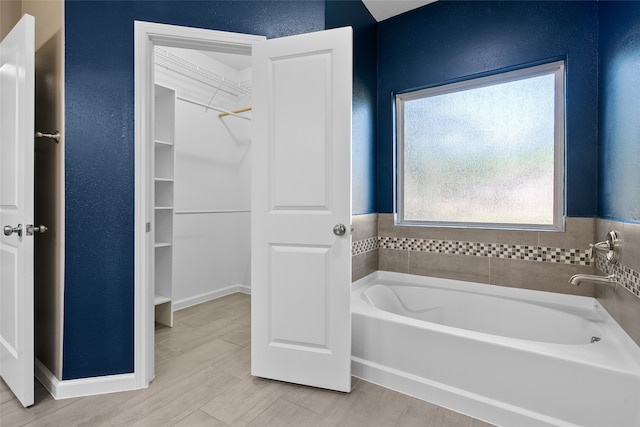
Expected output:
{"points": [[202, 177]]}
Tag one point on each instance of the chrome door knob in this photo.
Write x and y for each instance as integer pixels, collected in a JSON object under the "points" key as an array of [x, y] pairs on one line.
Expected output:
{"points": [[339, 229], [9, 230]]}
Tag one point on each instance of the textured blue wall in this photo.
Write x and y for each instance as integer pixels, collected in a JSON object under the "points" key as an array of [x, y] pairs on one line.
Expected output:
{"points": [[619, 159], [356, 15], [450, 40], [441, 42], [99, 157]]}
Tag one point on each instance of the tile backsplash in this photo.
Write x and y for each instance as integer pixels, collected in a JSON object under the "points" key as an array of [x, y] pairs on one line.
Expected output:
{"points": [[528, 259], [364, 249], [622, 303]]}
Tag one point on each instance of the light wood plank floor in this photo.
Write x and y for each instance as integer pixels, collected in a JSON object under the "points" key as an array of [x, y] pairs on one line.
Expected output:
{"points": [[203, 379]]}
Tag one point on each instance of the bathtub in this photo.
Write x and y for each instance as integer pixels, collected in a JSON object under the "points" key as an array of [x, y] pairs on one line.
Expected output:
{"points": [[508, 356]]}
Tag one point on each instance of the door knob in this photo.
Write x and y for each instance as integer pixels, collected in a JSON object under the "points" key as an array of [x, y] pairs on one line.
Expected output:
{"points": [[339, 229], [33, 229], [9, 230]]}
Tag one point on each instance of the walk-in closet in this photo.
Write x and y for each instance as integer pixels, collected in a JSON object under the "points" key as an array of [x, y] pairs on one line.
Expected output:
{"points": [[202, 174]]}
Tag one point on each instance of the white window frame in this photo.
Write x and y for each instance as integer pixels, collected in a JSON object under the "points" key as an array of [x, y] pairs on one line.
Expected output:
{"points": [[558, 69]]}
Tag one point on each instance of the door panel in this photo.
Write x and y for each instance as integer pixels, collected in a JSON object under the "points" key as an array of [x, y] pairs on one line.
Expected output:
{"points": [[292, 155], [17, 83], [292, 302], [301, 270]]}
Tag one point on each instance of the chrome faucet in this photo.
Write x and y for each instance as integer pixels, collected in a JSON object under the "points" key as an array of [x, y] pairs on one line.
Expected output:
{"points": [[611, 248], [578, 279]]}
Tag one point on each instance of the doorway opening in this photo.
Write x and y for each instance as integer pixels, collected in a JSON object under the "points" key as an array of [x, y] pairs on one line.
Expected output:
{"points": [[155, 189]]}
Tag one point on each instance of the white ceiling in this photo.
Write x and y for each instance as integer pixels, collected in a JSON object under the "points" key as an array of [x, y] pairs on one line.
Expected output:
{"points": [[384, 9]]}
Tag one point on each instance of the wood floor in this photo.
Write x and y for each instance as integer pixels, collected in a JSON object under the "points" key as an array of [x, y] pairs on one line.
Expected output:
{"points": [[202, 379]]}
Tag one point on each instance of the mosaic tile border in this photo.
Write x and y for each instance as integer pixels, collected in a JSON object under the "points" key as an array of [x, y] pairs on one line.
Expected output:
{"points": [[365, 245], [629, 278], [495, 250]]}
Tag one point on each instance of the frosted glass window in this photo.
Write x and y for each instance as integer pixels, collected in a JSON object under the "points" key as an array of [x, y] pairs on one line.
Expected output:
{"points": [[487, 152]]}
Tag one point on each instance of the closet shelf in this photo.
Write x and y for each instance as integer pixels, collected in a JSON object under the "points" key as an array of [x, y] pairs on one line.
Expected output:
{"points": [[216, 211], [159, 299], [164, 161], [195, 72]]}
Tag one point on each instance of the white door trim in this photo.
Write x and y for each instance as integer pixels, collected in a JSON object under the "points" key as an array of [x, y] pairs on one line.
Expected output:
{"points": [[146, 36]]}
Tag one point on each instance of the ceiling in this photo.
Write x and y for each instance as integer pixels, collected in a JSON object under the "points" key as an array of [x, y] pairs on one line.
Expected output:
{"points": [[384, 9]]}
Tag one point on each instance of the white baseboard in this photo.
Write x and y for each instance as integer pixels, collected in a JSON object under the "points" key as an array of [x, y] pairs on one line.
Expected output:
{"points": [[65, 389], [208, 296]]}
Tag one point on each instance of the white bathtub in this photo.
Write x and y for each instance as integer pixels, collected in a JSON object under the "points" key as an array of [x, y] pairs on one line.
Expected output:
{"points": [[511, 357]]}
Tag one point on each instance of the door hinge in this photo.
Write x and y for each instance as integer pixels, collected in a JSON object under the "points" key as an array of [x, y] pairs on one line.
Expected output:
{"points": [[33, 229], [148, 227]]}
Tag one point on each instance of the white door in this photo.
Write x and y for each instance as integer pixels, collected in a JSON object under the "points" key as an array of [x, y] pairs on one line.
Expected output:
{"points": [[16, 208], [301, 190]]}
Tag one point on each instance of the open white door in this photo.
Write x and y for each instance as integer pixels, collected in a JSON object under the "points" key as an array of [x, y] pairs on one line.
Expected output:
{"points": [[301, 268], [17, 80]]}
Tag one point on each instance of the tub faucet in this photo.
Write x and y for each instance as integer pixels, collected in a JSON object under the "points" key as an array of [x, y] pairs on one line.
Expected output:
{"points": [[578, 279]]}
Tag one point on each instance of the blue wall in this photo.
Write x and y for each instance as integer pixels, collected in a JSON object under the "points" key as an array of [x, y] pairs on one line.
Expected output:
{"points": [[619, 159], [99, 156], [450, 40], [355, 14], [440, 42]]}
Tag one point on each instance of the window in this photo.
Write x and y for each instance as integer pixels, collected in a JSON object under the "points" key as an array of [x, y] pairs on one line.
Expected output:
{"points": [[487, 152]]}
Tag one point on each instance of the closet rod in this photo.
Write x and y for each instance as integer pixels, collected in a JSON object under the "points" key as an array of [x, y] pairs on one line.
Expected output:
{"points": [[211, 212], [230, 113], [241, 110]]}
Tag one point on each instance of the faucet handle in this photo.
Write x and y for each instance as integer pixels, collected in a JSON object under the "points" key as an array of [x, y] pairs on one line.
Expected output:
{"points": [[595, 247], [602, 246], [613, 246], [610, 247]]}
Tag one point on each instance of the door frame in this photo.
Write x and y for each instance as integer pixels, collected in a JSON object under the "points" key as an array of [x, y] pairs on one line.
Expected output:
{"points": [[146, 36]]}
